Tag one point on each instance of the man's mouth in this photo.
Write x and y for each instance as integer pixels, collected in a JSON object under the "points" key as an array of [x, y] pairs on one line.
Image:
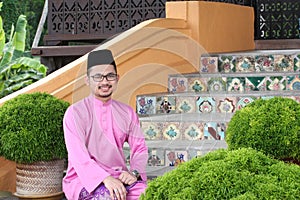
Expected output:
{"points": [[104, 87]]}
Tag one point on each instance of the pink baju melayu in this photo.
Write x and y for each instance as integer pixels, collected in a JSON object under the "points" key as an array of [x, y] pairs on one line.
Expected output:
{"points": [[95, 133]]}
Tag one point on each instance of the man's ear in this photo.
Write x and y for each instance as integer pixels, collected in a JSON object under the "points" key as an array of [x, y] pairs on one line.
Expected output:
{"points": [[87, 80]]}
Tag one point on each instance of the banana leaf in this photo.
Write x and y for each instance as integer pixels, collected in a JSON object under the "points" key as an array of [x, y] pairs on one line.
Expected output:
{"points": [[8, 50], [2, 34], [19, 37], [15, 87]]}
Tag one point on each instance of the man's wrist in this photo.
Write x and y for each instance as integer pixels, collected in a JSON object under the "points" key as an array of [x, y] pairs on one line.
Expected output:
{"points": [[136, 173]]}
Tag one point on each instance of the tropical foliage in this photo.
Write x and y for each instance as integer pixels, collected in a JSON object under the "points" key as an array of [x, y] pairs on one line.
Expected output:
{"points": [[16, 69]]}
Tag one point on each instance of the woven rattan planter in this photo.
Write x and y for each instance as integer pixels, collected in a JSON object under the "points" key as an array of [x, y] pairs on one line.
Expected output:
{"points": [[40, 178]]}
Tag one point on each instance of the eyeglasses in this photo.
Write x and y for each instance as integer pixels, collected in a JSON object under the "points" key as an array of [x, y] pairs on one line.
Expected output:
{"points": [[100, 77]]}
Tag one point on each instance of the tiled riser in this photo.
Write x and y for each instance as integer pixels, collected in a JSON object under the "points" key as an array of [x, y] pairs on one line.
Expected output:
{"points": [[234, 82], [250, 63], [177, 130], [166, 154], [204, 103]]}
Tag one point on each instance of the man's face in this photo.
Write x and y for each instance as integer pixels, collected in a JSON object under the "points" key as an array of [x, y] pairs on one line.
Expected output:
{"points": [[102, 87]]}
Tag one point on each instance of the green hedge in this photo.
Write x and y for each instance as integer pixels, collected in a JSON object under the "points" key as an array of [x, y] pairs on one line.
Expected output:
{"points": [[32, 9], [271, 126], [224, 174], [31, 128]]}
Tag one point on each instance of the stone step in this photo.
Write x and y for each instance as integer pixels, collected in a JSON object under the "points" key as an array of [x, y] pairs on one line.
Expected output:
{"points": [[204, 102]]}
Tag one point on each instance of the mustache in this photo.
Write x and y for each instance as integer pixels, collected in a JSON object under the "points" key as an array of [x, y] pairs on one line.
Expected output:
{"points": [[105, 85]]}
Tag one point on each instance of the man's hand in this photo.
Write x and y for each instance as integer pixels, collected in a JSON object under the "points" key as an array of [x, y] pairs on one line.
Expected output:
{"points": [[127, 178], [115, 187]]}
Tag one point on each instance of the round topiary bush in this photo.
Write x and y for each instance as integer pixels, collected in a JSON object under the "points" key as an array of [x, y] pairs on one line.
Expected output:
{"points": [[223, 174], [31, 128], [271, 126]]}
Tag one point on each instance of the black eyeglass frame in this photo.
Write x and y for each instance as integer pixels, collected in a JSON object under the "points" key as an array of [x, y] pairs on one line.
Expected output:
{"points": [[108, 77]]}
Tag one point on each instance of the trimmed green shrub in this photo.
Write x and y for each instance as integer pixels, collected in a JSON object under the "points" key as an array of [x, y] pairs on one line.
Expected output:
{"points": [[271, 126], [31, 128], [224, 174]]}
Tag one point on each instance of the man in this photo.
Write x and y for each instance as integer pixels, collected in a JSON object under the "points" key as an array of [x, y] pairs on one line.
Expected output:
{"points": [[96, 129]]}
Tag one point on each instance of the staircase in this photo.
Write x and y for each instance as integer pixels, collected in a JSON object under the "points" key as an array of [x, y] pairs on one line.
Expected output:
{"points": [[191, 118]]}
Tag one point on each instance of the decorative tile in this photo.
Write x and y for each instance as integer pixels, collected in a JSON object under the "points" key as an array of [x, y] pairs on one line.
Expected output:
{"points": [[284, 63], [185, 104], [156, 157], [297, 63], [146, 105], [208, 65], [266, 97], [276, 83], [221, 129], [178, 84], [151, 130], [192, 131], [216, 84], [293, 82], [195, 153], [226, 105], [165, 104], [255, 84], [206, 105], [175, 157], [197, 84], [243, 101], [211, 132], [171, 131], [226, 64], [264, 63], [245, 64], [235, 84]]}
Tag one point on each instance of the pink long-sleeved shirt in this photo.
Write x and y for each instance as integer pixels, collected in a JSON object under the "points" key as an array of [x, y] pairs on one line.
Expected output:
{"points": [[95, 133]]}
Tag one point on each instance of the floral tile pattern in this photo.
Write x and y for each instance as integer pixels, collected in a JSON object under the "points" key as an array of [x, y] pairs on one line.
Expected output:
{"points": [[226, 64], [235, 84], [146, 105], [283, 63], [192, 131], [264, 63], [293, 82], [243, 101], [211, 131], [206, 105], [171, 130], [276, 83], [185, 105], [178, 84], [245, 64], [156, 157], [175, 157], [197, 84], [226, 105], [165, 105], [255, 84], [152, 130], [216, 84], [208, 65]]}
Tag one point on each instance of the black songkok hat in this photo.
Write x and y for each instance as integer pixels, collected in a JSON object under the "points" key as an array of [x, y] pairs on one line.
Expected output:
{"points": [[100, 57]]}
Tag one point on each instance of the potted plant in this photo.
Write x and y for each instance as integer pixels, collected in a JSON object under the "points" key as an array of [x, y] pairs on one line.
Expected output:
{"points": [[268, 125], [31, 134]]}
